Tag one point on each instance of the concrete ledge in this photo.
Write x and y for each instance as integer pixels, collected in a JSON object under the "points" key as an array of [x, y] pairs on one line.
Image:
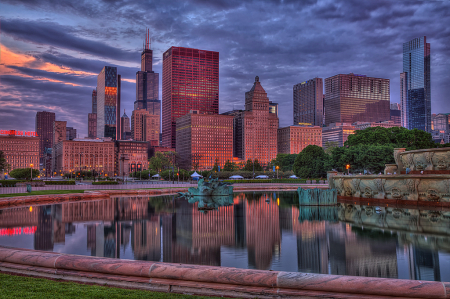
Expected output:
{"points": [[210, 280]]}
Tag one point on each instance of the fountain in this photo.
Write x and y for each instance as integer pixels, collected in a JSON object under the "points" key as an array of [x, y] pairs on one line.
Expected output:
{"points": [[212, 187], [317, 197], [418, 175]]}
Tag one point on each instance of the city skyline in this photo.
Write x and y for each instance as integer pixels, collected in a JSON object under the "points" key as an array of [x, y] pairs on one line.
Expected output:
{"points": [[363, 38]]}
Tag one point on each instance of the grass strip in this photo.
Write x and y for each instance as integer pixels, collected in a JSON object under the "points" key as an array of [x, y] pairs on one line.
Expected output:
{"points": [[42, 192], [12, 286]]}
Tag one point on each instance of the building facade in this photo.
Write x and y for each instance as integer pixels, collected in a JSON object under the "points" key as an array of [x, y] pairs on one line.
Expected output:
{"points": [[203, 139], [255, 128], [440, 127], [19, 151], [59, 131], [396, 113], [350, 98], [130, 156], [293, 139], [360, 125], [92, 117], [190, 82], [415, 85], [44, 129], [273, 108], [336, 133], [92, 125], [84, 155], [145, 127], [125, 127], [308, 102], [71, 133], [147, 83], [108, 102]]}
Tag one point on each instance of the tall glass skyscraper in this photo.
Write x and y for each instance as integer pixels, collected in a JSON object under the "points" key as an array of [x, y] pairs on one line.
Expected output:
{"points": [[415, 93], [108, 101]]}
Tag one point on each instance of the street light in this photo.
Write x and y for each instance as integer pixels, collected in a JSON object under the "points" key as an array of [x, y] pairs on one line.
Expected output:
{"points": [[277, 167], [80, 166], [31, 169], [348, 168]]}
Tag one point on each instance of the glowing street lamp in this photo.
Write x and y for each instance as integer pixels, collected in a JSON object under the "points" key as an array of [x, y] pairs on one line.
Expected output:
{"points": [[348, 168], [277, 167]]}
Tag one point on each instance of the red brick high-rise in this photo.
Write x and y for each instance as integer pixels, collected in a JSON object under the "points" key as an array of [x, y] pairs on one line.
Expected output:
{"points": [[255, 128], [44, 129], [190, 82]]}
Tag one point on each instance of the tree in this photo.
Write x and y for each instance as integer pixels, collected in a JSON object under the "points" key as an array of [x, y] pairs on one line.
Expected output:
{"points": [[362, 157], [311, 162], [216, 165], [162, 161], [284, 161], [229, 166], [3, 164], [257, 166], [330, 145], [248, 165], [23, 173], [397, 137]]}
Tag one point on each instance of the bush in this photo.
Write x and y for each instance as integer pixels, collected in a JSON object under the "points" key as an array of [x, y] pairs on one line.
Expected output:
{"points": [[23, 173], [48, 183], [106, 183], [11, 183]]}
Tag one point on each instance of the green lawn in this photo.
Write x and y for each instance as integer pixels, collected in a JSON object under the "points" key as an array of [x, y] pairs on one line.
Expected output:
{"points": [[43, 192], [12, 286]]}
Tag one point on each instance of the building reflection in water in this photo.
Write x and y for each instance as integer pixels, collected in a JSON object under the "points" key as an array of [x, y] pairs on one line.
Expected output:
{"points": [[347, 240]]}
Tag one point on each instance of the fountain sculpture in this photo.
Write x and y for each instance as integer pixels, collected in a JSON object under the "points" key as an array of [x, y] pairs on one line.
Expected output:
{"points": [[427, 178], [317, 197]]}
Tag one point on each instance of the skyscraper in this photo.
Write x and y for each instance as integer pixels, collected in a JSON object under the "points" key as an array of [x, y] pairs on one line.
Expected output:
{"points": [[255, 128], [308, 102], [415, 92], [108, 100], [190, 82], [144, 126], [147, 83], [71, 133], [125, 128], [350, 98], [44, 129], [92, 117]]}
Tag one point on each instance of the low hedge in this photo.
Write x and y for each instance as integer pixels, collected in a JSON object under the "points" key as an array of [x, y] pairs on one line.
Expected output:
{"points": [[270, 181], [11, 183], [47, 183], [106, 183]]}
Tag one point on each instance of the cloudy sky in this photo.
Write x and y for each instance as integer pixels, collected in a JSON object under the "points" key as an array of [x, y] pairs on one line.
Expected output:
{"points": [[52, 50]]}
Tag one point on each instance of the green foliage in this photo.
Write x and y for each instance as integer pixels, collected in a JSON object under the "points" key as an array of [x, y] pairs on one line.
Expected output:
{"points": [[105, 183], [11, 183], [43, 192], [3, 164], [23, 173], [311, 162], [216, 165], [143, 174], [250, 167], [257, 166], [284, 161], [330, 145], [397, 137], [229, 166], [362, 157], [161, 161], [47, 183]]}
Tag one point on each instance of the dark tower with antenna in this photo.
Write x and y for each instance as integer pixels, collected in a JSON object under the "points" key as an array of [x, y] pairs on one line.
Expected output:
{"points": [[147, 84]]}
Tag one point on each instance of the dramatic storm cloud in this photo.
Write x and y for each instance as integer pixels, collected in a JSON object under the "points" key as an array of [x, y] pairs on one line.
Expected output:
{"points": [[51, 51]]}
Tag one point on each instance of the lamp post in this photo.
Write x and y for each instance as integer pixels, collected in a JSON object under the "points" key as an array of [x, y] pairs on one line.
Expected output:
{"points": [[348, 168], [31, 170], [277, 167]]}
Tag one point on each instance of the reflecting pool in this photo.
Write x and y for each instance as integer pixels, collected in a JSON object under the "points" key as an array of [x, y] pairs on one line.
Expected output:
{"points": [[255, 230]]}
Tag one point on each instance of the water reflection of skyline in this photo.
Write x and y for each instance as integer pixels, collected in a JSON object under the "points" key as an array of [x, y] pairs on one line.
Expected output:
{"points": [[257, 230]]}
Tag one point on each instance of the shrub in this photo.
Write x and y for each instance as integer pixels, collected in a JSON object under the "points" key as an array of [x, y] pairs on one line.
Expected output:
{"points": [[48, 183], [105, 183]]}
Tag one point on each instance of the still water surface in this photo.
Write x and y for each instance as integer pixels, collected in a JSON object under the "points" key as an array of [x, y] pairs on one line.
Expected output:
{"points": [[257, 230]]}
